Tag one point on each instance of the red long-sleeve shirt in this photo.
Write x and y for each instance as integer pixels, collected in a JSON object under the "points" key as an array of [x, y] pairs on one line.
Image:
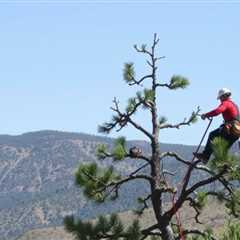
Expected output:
{"points": [[228, 109]]}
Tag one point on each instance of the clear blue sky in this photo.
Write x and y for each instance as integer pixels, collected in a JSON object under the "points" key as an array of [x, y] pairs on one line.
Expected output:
{"points": [[61, 61]]}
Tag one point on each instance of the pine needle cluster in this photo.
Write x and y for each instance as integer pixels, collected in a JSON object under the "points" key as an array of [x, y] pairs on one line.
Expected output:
{"points": [[94, 179], [119, 150], [222, 157], [201, 200], [128, 72], [178, 81], [105, 228]]}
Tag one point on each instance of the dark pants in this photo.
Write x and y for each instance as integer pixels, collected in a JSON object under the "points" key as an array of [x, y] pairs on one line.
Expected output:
{"points": [[219, 132]]}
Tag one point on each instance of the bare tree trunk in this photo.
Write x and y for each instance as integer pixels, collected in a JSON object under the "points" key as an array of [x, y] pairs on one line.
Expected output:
{"points": [[166, 229], [167, 233]]}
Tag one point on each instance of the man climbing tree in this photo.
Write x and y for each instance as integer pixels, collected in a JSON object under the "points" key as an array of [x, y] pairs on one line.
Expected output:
{"points": [[103, 184], [231, 116]]}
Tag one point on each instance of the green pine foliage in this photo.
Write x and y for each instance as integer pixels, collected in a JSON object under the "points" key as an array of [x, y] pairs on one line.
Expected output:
{"points": [[117, 228], [128, 72], [234, 204], [156, 238], [149, 95], [81, 230], [201, 200], [220, 196], [175, 228], [145, 98], [234, 174], [133, 232], [220, 150], [232, 232], [101, 151], [132, 102], [193, 118], [105, 128], [140, 208], [178, 81], [208, 233], [222, 157], [94, 179], [120, 141], [105, 228], [119, 150]]}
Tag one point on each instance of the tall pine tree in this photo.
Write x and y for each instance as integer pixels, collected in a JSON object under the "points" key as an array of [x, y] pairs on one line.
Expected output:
{"points": [[102, 184]]}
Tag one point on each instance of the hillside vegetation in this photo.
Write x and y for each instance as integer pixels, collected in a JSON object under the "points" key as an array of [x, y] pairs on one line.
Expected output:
{"points": [[213, 214], [37, 187]]}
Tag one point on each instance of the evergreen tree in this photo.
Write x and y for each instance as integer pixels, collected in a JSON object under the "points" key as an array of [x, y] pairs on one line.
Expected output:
{"points": [[102, 184]]}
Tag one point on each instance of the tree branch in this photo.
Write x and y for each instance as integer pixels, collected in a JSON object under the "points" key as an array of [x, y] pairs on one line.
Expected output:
{"points": [[176, 156], [193, 204], [185, 122], [142, 157], [146, 231], [138, 82], [140, 128], [203, 168], [127, 118], [145, 205], [165, 171], [164, 85], [206, 181], [142, 50], [116, 185], [151, 234], [221, 179], [139, 169], [185, 193]]}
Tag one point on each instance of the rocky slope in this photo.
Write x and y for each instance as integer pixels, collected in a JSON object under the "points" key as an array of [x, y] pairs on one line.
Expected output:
{"points": [[37, 179]]}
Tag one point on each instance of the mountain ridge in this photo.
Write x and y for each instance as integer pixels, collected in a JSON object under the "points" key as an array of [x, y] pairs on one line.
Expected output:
{"points": [[48, 131], [37, 185]]}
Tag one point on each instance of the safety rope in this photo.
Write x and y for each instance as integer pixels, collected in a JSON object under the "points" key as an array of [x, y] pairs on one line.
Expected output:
{"points": [[178, 217]]}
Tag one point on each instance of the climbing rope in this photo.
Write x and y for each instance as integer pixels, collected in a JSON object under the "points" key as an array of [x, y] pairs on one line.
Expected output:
{"points": [[178, 217]]}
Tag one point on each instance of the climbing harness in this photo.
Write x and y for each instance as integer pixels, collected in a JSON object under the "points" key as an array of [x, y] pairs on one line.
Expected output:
{"points": [[178, 218]]}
